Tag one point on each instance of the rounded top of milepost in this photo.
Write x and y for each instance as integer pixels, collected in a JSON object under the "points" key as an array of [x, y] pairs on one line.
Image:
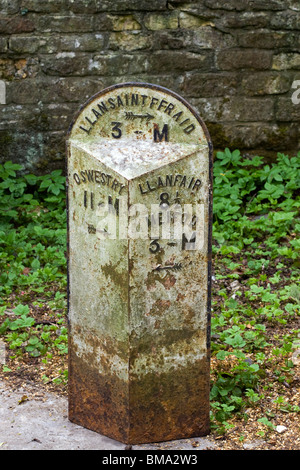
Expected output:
{"points": [[139, 111]]}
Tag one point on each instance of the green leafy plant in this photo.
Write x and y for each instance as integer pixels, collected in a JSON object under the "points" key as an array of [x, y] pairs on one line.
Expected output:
{"points": [[256, 242], [32, 259]]}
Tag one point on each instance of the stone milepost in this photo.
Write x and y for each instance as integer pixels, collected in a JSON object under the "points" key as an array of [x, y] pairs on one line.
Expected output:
{"points": [[139, 265]]}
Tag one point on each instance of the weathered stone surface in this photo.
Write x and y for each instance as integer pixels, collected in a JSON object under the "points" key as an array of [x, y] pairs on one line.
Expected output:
{"points": [[109, 22], [42, 6], [286, 110], [265, 39], [209, 84], [20, 92], [3, 45], [125, 5], [124, 23], [247, 19], [16, 24], [10, 7], [169, 40], [266, 83], [235, 109], [208, 37], [247, 4], [38, 151], [21, 44], [86, 42], [286, 61], [286, 20], [114, 64], [130, 41], [65, 23], [162, 61], [271, 137], [139, 305], [234, 59], [157, 21], [186, 20], [66, 64], [18, 69]]}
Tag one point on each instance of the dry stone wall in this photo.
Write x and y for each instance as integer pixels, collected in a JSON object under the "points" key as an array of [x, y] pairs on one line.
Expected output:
{"points": [[235, 61]]}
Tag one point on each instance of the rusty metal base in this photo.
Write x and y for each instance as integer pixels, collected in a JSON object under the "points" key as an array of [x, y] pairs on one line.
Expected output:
{"points": [[156, 408]]}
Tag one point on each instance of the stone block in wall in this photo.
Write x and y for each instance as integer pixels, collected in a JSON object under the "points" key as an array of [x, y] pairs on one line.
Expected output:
{"points": [[16, 24], [64, 23], [235, 59], [266, 83], [130, 41], [247, 4], [235, 109], [3, 45], [244, 109], [197, 84], [65, 64], [245, 19], [40, 6], [24, 44], [157, 21], [261, 136], [178, 62], [113, 63], [286, 110], [169, 40], [238, 5], [187, 20], [207, 37], [20, 117], [85, 42], [112, 22], [191, 40], [23, 92], [84, 6], [125, 5], [37, 152], [9, 7], [11, 69], [288, 19], [286, 61], [7, 69], [264, 39], [68, 89]]}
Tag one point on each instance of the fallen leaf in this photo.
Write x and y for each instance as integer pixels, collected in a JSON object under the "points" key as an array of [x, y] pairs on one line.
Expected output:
{"points": [[24, 398]]}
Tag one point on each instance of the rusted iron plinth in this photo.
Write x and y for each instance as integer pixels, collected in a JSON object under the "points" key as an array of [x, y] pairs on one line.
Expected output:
{"points": [[157, 407]]}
